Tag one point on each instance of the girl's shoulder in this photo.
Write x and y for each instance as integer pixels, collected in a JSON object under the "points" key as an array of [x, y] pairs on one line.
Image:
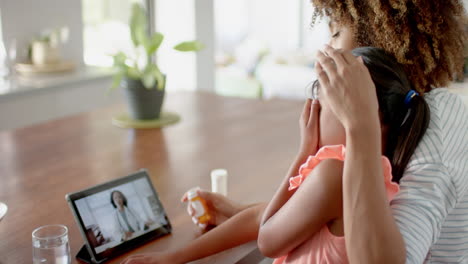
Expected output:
{"points": [[326, 163], [330, 170]]}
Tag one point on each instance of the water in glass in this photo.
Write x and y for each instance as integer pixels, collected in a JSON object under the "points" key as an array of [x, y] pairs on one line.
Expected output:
{"points": [[50, 245]]}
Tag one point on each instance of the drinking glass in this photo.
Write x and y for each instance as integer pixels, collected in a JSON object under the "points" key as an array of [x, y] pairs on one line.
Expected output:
{"points": [[50, 245]]}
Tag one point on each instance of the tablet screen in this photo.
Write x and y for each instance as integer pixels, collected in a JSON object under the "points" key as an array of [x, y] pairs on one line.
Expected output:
{"points": [[119, 212]]}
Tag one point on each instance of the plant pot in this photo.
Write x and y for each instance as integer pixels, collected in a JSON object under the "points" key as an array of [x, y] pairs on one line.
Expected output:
{"points": [[143, 103]]}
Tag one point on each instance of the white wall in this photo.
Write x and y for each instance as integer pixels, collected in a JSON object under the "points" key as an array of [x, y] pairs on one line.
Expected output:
{"points": [[23, 19]]}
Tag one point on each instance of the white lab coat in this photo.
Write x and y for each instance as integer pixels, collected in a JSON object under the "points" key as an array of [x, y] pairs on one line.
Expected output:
{"points": [[133, 220]]}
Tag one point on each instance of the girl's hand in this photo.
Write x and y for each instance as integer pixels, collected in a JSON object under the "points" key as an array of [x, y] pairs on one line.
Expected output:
{"points": [[346, 85], [220, 207], [153, 258], [309, 124]]}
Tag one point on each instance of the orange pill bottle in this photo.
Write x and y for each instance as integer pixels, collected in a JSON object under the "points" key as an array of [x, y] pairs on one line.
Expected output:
{"points": [[202, 213]]}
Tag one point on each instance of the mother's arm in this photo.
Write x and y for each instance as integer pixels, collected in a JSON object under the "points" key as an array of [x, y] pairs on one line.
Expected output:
{"points": [[372, 235]]}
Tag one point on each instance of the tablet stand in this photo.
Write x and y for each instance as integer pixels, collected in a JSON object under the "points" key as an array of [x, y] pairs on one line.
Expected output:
{"points": [[83, 256]]}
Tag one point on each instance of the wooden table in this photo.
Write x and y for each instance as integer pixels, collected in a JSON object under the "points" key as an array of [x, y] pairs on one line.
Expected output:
{"points": [[254, 140]]}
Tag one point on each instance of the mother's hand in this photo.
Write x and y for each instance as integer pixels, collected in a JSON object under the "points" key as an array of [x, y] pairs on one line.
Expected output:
{"points": [[347, 87]]}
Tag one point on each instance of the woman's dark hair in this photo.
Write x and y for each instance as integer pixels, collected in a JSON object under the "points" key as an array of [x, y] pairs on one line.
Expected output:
{"points": [[123, 198], [406, 122]]}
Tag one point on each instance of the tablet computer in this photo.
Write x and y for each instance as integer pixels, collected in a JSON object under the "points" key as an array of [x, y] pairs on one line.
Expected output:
{"points": [[116, 216]]}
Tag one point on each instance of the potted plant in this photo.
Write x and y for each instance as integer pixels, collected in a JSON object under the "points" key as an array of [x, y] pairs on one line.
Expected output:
{"points": [[139, 75]]}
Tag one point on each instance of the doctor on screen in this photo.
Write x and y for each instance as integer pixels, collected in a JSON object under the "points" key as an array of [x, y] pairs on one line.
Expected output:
{"points": [[127, 221]]}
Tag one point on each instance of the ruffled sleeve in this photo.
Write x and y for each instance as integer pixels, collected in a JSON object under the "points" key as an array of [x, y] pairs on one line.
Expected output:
{"points": [[338, 152]]}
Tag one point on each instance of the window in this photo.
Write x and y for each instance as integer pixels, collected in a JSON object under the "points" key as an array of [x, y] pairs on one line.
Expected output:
{"points": [[106, 30], [265, 48], [175, 19]]}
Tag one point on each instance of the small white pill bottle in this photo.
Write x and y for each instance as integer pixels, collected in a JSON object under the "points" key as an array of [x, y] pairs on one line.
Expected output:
{"points": [[219, 181]]}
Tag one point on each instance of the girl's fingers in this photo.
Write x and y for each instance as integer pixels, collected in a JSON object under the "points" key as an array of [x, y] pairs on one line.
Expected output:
{"points": [[337, 56], [314, 115], [306, 111], [208, 196], [190, 210], [184, 198]]}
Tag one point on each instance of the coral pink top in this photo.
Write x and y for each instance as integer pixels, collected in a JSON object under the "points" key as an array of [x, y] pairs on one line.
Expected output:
{"points": [[324, 247]]}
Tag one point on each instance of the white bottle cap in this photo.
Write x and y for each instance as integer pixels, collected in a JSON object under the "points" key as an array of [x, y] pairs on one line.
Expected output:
{"points": [[192, 193], [219, 181]]}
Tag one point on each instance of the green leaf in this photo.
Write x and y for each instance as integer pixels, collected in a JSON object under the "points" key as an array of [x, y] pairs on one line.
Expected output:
{"points": [[121, 67], [189, 46], [119, 60], [160, 78], [138, 24], [154, 43], [116, 81], [142, 38]]}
